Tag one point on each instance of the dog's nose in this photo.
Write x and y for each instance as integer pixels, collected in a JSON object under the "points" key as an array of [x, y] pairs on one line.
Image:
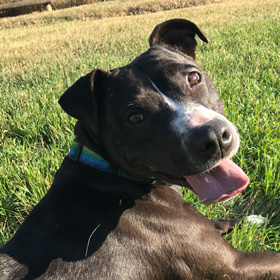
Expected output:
{"points": [[213, 139]]}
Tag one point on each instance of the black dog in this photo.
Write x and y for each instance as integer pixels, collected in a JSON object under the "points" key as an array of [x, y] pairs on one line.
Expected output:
{"points": [[108, 214]]}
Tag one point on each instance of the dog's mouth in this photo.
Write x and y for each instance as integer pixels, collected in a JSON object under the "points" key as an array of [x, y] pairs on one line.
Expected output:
{"points": [[220, 183]]}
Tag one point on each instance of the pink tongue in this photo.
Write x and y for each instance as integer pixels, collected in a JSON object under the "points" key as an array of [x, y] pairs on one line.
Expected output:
{"points": [[222, 182]]}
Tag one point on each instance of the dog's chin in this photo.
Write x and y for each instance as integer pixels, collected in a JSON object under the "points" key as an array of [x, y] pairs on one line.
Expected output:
{"points": [[221, 182]]}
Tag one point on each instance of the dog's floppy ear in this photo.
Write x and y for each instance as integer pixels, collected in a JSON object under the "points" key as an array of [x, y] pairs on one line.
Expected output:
{"points": [[80, 100], [177, 33]]}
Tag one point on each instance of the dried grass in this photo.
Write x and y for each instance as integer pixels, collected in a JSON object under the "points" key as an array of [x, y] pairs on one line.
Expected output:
{"points": [[92, 9]]}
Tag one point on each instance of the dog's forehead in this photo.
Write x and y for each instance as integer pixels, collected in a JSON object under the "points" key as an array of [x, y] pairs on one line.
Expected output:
{"points": [[160, 58], [158, 77], [130, 87], [158, 65]]}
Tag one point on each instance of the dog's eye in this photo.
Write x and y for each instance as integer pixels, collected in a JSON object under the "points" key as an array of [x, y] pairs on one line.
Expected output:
{"points": [[135, 118], [193, 78]]}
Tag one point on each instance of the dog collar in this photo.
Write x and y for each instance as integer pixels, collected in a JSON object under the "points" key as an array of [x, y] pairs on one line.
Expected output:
{"points": [[81, 153]]}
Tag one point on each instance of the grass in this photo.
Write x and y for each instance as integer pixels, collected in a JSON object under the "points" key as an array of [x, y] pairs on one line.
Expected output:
{"points": [[100, 10], [39, 61], [60, 4]]}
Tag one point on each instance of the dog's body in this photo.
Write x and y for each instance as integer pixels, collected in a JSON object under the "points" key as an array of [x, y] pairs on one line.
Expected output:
{"points": [[158, 119]]}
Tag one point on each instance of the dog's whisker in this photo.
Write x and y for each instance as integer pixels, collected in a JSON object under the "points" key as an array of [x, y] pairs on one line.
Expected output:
{"points": [[90, 239]]}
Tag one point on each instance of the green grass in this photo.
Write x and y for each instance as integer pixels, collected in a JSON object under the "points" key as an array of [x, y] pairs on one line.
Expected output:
{"points": [[38, 62]]}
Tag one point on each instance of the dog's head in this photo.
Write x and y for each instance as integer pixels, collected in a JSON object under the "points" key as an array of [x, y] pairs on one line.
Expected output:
{"points": [[161, 117]]}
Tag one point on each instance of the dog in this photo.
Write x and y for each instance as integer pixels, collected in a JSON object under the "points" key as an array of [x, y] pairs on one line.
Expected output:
{"points": [[115, 209]]}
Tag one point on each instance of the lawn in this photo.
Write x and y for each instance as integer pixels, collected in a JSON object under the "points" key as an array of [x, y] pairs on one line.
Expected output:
{"points": [[43, 54], [96, 9]]}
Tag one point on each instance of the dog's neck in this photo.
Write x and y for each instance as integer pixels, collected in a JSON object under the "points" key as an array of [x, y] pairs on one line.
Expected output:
{"points": [[86, 137], [79, 152]]}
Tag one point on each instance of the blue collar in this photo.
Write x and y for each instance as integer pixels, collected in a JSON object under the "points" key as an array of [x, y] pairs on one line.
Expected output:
{"points": [[81, 153]]}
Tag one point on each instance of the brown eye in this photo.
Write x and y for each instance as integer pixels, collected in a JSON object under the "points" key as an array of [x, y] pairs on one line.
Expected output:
{"points": [[193, 78], [135, 118]]}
